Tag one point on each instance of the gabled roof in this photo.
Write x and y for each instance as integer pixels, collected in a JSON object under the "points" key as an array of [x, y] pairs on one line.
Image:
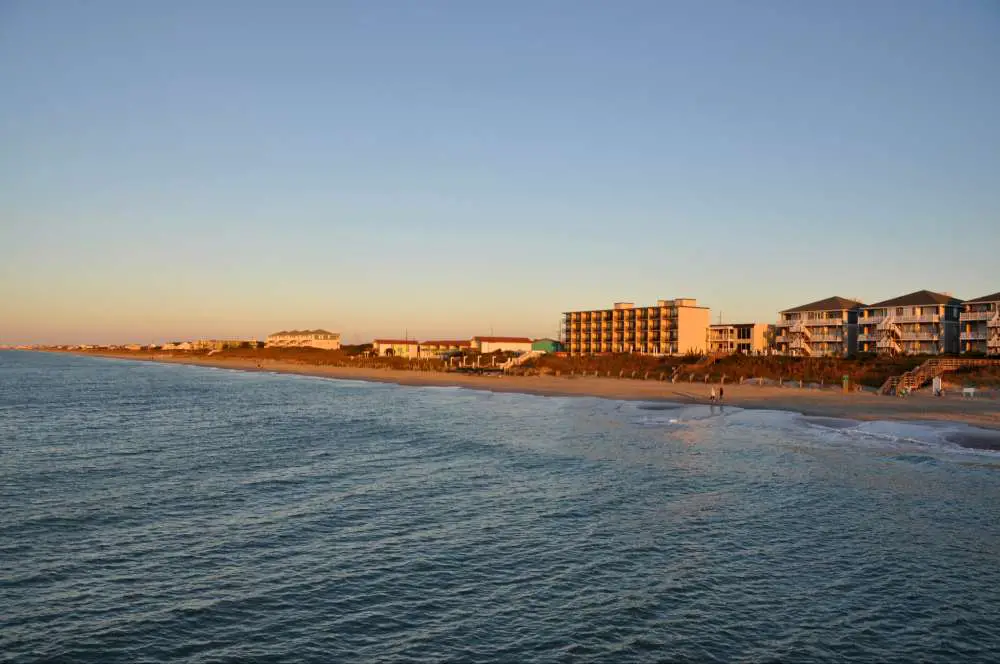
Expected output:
{"points": [[834, 303], [917, 298], [985, 298], [503, 339]]}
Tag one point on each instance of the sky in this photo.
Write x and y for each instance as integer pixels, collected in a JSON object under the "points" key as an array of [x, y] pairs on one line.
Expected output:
{"points": [[184, 169]]}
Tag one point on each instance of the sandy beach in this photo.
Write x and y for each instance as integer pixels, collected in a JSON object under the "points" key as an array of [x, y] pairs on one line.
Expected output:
{"points": [[980, 412]]}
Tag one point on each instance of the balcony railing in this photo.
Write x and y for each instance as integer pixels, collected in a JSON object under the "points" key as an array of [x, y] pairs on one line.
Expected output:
{"points": [[919, 336], [974, 335], [901, 318], [827, 338], [976, 315]]}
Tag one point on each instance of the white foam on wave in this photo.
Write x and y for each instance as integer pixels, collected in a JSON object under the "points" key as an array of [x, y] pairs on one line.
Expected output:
{"points": [[928, 437]]}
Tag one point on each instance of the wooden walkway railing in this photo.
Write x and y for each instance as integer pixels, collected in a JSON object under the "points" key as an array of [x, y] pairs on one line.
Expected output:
{"points": [[919, 376]]}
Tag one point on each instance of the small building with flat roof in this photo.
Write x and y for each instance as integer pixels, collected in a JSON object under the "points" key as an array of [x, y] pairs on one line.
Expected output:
{"points": [[436, 348], [407, 348], [494, 344], [546, 345], [744, 338]]}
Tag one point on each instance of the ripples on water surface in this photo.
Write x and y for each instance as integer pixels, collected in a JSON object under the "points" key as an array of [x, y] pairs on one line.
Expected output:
{"points": [[166, 513]]}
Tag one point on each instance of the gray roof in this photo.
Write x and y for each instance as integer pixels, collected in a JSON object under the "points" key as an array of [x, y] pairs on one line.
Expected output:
{"points": [[985, 298], [834, 303], [917, 298]]}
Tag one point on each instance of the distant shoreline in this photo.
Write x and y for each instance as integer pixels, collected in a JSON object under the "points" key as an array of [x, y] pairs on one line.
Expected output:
{"points": [[979, 412]]}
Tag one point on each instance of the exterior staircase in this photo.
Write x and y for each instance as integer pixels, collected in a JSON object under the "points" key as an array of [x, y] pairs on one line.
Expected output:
{"points": [[993, 335], [919, 376], [888, 336], [521, 359], [800, 335]]}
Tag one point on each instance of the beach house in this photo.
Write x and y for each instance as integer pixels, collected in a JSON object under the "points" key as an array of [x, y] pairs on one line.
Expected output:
{"points": [[745, 338], [436, 348], [222, 344], [408, 348], [670, 327], [920, 323], [825, 328], [304, 339], [494, 344], [980, 325]]}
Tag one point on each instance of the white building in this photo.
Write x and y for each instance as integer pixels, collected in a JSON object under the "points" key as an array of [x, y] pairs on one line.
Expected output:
{"points": [[304, 339], [441, 347], [408, 348], [493, 344]]}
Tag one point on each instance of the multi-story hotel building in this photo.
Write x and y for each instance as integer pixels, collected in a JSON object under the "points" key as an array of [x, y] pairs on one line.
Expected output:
{"points": [[827, 328], [669, 328], [746, 338], [304, 339], [920, 323], [980, 325]]}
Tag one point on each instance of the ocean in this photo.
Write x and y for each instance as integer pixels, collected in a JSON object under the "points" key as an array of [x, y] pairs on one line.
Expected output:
{"points": [[168, 513]]}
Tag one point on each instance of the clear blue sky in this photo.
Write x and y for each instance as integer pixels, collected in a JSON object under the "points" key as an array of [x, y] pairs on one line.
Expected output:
{"points": [[188, 169]]}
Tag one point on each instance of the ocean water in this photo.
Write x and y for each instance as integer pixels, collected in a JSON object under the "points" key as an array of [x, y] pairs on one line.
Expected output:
{"points": [[164, 513]]}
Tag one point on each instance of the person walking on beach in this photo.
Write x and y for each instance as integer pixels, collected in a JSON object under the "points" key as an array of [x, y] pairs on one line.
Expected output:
{"points": [[711, 395], [720, 393]]}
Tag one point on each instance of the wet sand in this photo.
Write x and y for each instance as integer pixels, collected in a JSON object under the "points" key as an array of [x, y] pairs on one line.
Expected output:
{"points": [[831, 403]]}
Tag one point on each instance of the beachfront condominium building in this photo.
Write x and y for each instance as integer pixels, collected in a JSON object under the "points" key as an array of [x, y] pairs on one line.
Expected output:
{"points": [[826, 328], [304, 339], [920, 323], [980, 325], [670, 327], [745, 338]]}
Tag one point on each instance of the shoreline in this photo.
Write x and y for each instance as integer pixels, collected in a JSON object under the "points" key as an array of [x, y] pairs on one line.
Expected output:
{"points": [[980, 412]]}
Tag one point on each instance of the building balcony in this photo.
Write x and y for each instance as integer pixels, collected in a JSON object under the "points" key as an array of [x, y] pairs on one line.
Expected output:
{"points": [[920, 336], [976, 315], [922, 318], [827, 338], [900, 318], [974, 335]]}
